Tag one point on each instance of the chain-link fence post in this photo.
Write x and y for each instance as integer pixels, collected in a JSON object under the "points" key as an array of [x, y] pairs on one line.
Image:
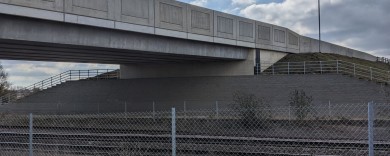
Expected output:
{"points": [[289, 112], [125, 107], [30, 132], [371, 128], [216, 109], [173, 131], [329, 110], [154, 111], [185, 109], [98, 108]]}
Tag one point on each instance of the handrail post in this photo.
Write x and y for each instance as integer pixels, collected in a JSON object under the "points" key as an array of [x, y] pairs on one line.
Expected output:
{"points": [[304, 67], [273, 69], [79, 75], [288, 68], [70, 75], [88, 74], [42, 84], [61, 78], [51, 81], [97, 74], [371, 72], [388, 76]]}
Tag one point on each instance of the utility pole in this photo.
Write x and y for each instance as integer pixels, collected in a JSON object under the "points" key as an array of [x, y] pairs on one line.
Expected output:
{"points": [[319, 27]]}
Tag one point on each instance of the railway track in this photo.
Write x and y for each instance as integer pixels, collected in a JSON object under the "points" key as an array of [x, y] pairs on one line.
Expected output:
{"points": [[158, 144]]}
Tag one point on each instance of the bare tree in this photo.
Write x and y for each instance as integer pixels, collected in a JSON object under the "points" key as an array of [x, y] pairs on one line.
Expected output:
{"points": [[4, 84]]}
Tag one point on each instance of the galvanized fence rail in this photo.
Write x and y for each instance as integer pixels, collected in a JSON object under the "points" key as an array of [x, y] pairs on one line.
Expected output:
{"points": [[71, 75], [351, 129], [325, 67]]}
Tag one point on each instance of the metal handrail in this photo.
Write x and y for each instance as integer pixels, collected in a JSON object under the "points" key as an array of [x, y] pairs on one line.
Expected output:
{"points": [[326, 67], [71, 75]]}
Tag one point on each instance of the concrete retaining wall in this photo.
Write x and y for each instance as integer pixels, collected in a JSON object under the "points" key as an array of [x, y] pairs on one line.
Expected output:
{"points": [[173, 19], [198, 92]]}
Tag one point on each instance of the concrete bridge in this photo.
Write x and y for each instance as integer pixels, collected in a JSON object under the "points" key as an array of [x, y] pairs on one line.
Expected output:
{"points": [[148, 38]]}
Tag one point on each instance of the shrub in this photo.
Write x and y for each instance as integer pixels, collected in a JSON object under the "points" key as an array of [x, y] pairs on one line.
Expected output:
{"points": [[301, 103], [252, 110]]}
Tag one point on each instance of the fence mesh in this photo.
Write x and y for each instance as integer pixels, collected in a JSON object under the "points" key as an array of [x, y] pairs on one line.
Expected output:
{"points": [[336, 130]]}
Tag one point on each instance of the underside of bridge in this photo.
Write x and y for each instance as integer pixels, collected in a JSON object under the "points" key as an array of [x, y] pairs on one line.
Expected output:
{"points": [[140, 55]]}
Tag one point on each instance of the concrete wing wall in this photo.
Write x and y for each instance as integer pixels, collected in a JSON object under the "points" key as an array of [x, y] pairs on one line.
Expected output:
{"points": [[310, 45], [174, 19]]}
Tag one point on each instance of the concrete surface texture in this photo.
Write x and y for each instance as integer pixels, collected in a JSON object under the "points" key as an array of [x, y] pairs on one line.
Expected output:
{"points": [[26, 38], [173, 19], [268, 58], [220, 68], [198, 93]]}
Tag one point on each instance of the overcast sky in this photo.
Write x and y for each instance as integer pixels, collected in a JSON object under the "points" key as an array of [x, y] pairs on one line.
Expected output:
{"points": [[358, 24]]}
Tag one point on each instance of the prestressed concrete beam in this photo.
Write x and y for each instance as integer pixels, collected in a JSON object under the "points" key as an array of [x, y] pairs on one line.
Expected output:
{"points": [[37, 31]]}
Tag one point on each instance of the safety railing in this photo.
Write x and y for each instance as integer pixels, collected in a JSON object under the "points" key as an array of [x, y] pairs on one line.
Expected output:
{"points": [[325, 67], [71, 75]]}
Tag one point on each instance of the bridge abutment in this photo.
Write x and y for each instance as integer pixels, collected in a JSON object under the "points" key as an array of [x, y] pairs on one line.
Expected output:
{"points": [[190, 69]]}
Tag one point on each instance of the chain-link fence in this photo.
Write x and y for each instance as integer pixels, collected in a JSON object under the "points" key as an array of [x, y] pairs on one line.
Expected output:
{"points": [[346, 129]]}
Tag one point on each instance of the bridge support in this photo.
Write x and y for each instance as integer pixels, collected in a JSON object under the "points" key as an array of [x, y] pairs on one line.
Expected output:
{"points": [[190, 69]]}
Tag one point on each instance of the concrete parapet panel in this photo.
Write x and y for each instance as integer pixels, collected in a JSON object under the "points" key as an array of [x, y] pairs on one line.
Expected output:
{"points": [[225, 25], [292, 40], [246, 30], [333, 48], [326, 47], [93, 8], [363, 55], [264, 33], [280, 37], [9, 9], [53, 5], [314, 45], [305, 45], [200, 20], [137, 12], [171, 15]]}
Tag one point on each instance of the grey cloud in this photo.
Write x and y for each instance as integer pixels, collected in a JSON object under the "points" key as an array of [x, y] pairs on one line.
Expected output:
{"points": [[358, 24]]}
